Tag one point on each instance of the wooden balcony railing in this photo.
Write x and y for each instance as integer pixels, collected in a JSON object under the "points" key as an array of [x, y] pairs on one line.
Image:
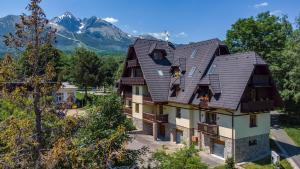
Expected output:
{"points": [[149, 116], [132, 63], [163, 118], [147, 98], [133, 80], [261, 80], [127, 111], [258, 106], [209, 129], [127, 95]]}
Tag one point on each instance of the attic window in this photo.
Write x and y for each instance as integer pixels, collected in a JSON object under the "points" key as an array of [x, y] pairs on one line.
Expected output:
{"points": [[192, 71], [160, 73], [194, 53], [212, 69]]}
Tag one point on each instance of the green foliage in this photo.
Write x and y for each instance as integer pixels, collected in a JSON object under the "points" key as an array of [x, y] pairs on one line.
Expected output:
{"points": [[274, 39], [266, 34], [229, 163], [184, 158], [86, 68]]}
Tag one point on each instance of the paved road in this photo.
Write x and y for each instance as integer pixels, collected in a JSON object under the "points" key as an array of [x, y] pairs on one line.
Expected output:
{"points": [[291, 149], [141, 140]]}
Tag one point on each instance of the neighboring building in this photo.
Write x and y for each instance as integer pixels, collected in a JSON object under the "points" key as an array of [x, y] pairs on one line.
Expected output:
{"points": [[66, 94], [200, 93]]}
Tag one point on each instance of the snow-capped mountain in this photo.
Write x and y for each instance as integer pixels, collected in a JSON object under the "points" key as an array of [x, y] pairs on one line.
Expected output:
{"points": [[93, 33]]}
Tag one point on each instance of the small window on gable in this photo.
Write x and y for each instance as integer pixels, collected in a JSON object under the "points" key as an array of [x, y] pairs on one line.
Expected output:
{"points": [[193, 69], [194, 53], [160, 72]]}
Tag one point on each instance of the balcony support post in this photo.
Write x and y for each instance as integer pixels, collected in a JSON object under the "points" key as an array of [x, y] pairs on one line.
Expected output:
{"points": [[155, 131]]}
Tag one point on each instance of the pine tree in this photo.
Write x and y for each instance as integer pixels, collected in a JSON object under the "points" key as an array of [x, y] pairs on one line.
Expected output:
{"points": [[34, 34]]}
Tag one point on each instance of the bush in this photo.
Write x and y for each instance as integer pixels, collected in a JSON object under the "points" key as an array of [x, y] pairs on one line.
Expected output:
{"points": [[184, 158], [229, 163]]}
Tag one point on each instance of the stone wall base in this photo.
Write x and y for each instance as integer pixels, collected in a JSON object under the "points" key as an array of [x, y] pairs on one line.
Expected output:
{"points": [[245, 152]]}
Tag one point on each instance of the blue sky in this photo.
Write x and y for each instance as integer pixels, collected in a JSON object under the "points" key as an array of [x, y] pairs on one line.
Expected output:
{"points": [[186, 20]]}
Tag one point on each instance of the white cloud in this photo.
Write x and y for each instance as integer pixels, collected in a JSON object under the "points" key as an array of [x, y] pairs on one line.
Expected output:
{"points": [[181, 35], [111, 20], [276, 12], [160, 35], [263, 4], [135, 31]]}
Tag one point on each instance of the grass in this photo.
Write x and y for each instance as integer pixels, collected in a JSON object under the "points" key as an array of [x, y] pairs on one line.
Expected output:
{"points": [[265, 164], [220, 167], [293, 132]]}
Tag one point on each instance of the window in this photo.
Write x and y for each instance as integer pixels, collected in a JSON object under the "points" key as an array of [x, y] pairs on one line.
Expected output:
{"points": [[192, 71], [161, 110], [252, 142], [137, 108], [160, 73], [212, 69], [129, 103], [253, 121], [157, 55], [194, 53], [137, 90], [178, 112]]}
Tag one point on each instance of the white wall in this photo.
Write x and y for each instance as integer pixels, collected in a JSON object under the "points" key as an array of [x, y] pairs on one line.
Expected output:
{"points": [[184, 121], [242, 125]]}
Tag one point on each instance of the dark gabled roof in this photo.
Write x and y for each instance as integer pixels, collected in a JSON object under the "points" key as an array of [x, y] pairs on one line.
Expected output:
{"points": [[226, 75], [195, 65], [234, 72], [158, 86]]}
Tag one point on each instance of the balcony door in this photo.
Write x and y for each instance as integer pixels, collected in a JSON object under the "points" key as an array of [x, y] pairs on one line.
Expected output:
{"points": [[211, 118]]}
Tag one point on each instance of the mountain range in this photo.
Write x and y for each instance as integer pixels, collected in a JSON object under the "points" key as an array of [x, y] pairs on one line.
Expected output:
{"points": [[93, 33]]}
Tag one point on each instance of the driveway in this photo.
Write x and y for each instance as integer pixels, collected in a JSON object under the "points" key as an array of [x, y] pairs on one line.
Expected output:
{"points": [[140, 140], [287, 146]]}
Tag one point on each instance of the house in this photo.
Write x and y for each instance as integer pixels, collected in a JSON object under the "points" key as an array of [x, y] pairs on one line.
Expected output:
{"points": [[66, 94], [200, 93]]}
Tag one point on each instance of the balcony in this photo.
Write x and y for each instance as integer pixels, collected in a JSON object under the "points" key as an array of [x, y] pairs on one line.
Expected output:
{"points": [[147, 98], [149, 116], [261, 80], [163, 118], [127, 111], [258, 106], [133, 81], [132, 63], [209, 129], [128, 95], [204, 101]]}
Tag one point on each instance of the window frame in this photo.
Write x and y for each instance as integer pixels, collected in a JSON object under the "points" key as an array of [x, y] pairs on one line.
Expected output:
{"points": [[252, 142], [253, 120], [178, 112], [137, 90], [137, 108]]}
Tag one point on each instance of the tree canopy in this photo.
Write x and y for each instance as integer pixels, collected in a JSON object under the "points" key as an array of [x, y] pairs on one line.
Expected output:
{"points": [[274, 39]]}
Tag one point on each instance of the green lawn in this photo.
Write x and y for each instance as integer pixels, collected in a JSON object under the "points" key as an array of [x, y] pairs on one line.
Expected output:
{"points": [[294, 132], [265, 163]]}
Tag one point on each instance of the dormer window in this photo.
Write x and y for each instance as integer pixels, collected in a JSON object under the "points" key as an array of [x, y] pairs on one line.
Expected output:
{"points": [[157, 55]]}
